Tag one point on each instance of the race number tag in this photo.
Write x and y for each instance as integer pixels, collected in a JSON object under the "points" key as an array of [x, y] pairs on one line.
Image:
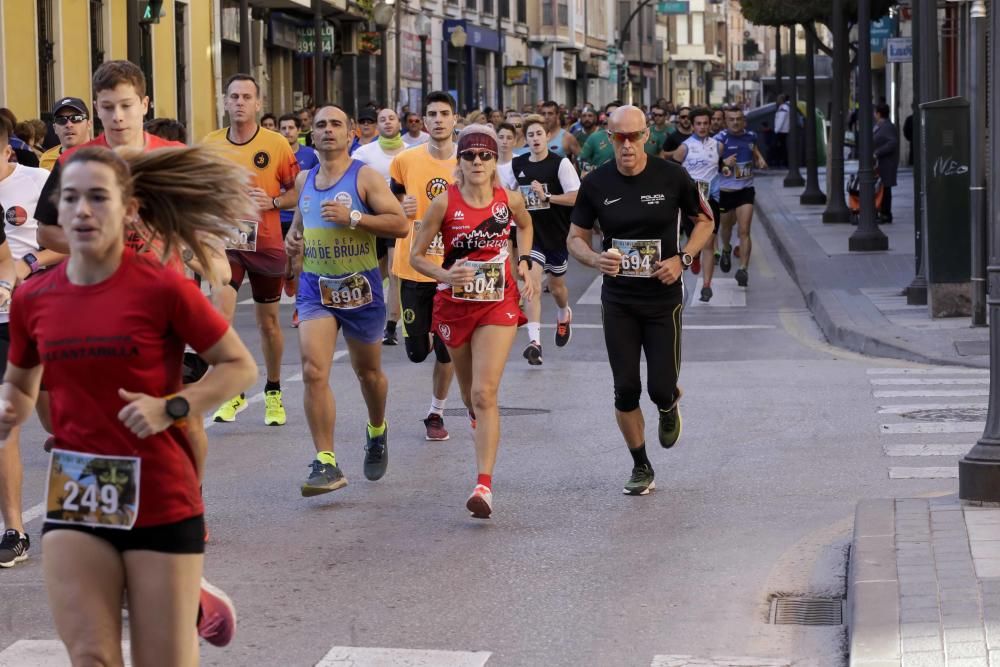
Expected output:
{"points": [[487, 285], [639, 257], [436, 248], [705, 188], [743, 170], [346, 293], [531, 199], [244, 240], [90, 490]]}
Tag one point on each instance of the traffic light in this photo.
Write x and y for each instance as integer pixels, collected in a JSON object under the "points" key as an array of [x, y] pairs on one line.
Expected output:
{"points": [[150, 11]]}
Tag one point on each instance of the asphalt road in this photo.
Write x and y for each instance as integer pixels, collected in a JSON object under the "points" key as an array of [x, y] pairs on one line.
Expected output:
{"points": [[782, 436]]}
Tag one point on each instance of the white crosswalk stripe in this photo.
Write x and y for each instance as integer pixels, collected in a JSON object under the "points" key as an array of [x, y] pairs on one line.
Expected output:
{"points": [[725, 294], [43, 653], [725, 661], [353, 656], [928, 371], [896, 382]]}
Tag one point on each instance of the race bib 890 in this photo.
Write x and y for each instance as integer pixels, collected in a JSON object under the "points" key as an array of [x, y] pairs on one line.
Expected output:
{"points": [[639, 256], [346, 293], [90, 490], [244, 240]]}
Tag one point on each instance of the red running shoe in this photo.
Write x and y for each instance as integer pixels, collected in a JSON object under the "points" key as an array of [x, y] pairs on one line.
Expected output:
{"points": [[480, 503], [216, 615], [295, 319], [435, 427]]}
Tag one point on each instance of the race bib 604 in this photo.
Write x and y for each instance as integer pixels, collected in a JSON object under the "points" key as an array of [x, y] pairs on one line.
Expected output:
{"points": [[487, 285]]}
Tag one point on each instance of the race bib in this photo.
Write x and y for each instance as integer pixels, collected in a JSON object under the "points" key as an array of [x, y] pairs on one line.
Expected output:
{"points": [[705, 188], [743, 170], [639, 257], [91, 490], [345, 293], [531, 199], [436, 248], [244, 240], [487, 285]]}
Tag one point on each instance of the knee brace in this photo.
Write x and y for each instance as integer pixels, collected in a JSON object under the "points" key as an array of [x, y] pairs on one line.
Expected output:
{"points": [[417, 347], [627, 400]]}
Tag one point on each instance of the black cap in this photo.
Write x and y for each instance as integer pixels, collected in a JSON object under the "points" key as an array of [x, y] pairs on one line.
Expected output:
{"points": [[73, 103], [368, 114]]}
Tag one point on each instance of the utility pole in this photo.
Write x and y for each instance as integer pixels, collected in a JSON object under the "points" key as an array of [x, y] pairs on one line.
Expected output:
{"points": [[319, 93], [245, 64], [977, 162], [836, 208], [794, 177], [812, 195]]}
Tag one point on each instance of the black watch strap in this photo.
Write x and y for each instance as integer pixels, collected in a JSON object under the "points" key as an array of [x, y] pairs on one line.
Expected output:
{"points": [[526, 258]]}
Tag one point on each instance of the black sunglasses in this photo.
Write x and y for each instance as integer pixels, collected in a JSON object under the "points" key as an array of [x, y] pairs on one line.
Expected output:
{"points": [[684, 117], [75, 118], [470, 155]]}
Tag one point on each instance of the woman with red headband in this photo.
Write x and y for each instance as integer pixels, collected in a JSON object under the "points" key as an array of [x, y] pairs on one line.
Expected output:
{"points": [[476, 310]]}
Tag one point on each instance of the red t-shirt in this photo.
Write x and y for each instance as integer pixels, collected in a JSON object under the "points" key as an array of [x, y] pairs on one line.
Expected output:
{"points": [[127, 332], [476, 234]]}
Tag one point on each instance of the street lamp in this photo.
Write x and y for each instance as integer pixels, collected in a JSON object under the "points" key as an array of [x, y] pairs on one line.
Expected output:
{"points": [[458, 40], [546, 50], [690, 68], [424, 26], [382, 15], [671, 66], [708, 83]]}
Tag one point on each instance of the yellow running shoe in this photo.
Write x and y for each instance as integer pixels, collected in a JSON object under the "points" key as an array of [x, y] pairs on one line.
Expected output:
{"points": [[274, 411], [228, 411]]}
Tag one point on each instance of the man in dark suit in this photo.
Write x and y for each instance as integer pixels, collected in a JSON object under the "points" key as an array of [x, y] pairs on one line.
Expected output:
{"points": [[886, 143]]}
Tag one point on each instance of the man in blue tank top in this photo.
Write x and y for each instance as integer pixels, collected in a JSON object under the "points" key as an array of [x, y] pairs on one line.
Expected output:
{"points": [[343, 205], [559, 141]]}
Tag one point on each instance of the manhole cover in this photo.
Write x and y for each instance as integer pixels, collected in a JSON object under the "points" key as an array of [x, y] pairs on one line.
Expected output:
{"points": [[504, 412], [948, 415], [807, 611]]}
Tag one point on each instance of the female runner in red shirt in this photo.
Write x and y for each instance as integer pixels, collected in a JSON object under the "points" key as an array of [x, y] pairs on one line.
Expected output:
{"points": [[476, 310], [108, 326]]}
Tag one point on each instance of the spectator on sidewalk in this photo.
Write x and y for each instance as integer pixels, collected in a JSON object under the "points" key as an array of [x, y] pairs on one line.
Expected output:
{"points": [[779, 158], [886, 146], [908, 134]]}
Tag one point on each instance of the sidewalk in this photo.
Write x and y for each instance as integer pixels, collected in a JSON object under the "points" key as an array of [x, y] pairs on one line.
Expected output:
{"points": [[856, 298], [924, 584]]}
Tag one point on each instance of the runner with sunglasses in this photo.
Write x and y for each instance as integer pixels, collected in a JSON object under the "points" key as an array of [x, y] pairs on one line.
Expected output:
{"points": [[71, 122], [682, 131], [638, 201], [124, 513], [517, 121], [476, 310]]}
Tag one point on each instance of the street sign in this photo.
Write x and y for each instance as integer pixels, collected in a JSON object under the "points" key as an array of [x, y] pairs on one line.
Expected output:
{"points": [[673, 7], [747, 66], [899, 50], [881, 31]]}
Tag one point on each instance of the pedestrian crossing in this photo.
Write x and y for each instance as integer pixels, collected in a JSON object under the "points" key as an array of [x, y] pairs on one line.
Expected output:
{"points": [[52, 653], [945, 406]]}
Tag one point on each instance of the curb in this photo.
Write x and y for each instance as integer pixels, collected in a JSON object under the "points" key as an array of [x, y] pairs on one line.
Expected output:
{"points": [[873, 587]]}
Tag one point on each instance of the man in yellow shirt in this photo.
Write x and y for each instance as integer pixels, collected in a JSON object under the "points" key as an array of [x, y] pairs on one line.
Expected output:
{"points": [[418, 175], [71, 121]]}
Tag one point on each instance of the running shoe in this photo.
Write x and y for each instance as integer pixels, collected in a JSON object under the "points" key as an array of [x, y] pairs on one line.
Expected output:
{"points": [[741, 277], [480, 503], [216, 615], [706, 294], [228, 411], [435, 427], [295, 319], [274, 411], [389, 336], [641, 482], [564, 331], [696, 264], [725, 261], [376, 455], [13, 548], [323, 478], [50, 442], [533, 353], [670, 426]]}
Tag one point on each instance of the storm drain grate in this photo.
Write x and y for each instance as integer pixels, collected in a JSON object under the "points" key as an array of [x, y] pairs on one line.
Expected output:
{"points": [[504, 412], [947, 415], [807, 611]]}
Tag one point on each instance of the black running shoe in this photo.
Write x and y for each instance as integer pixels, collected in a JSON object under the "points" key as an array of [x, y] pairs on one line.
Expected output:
{"points": [[13, 548], [564, 331], [533, 353], [323, 478], [706, 294], [741, 277], [725, 260], [376, 455], [641, 482], [670, 426], [389, 336]]}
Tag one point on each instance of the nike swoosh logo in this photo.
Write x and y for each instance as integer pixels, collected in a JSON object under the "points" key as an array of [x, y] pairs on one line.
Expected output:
{"points": [[609, 202]]}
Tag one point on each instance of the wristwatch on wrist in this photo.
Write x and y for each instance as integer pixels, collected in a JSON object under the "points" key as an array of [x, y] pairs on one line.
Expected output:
{"points": [[177, 409], [31, 261], [355, 218], [547, 196], [526, 258], [686, 260], [274, 202]]}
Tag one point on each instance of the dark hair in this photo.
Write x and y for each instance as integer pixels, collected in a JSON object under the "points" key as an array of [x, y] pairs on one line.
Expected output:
{"points": [[269, 115], [506, 126], [439, 96], [882, 110], [700, 111], [167, 128], [683, 108], [6, 129], [413, 114], [613, 103], [242, 77], [116, 72], [551, 104], [292, 117]]}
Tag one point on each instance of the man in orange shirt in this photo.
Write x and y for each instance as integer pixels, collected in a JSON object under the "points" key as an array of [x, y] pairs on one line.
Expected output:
{"points": [[259, 254]]}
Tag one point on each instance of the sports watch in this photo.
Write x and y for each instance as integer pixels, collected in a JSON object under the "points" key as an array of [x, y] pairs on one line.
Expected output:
{"points": [[686, 260], [31, 261], [355, 218], [177, 408]]}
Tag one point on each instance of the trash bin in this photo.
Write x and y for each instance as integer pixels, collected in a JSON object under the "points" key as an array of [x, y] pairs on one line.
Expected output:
{"points": [[944, 157]]}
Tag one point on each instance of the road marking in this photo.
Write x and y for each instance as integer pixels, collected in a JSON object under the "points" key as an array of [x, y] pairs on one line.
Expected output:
{"points": [[903, 409], [43, 653], [898, 472], [725, 294], [592, 297], [926, 450], [354, 656], [934, 427], [285, 299], [930, 393], [890, 382], [928, 371], [29, 514], [691, 327], [723, 661]]}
